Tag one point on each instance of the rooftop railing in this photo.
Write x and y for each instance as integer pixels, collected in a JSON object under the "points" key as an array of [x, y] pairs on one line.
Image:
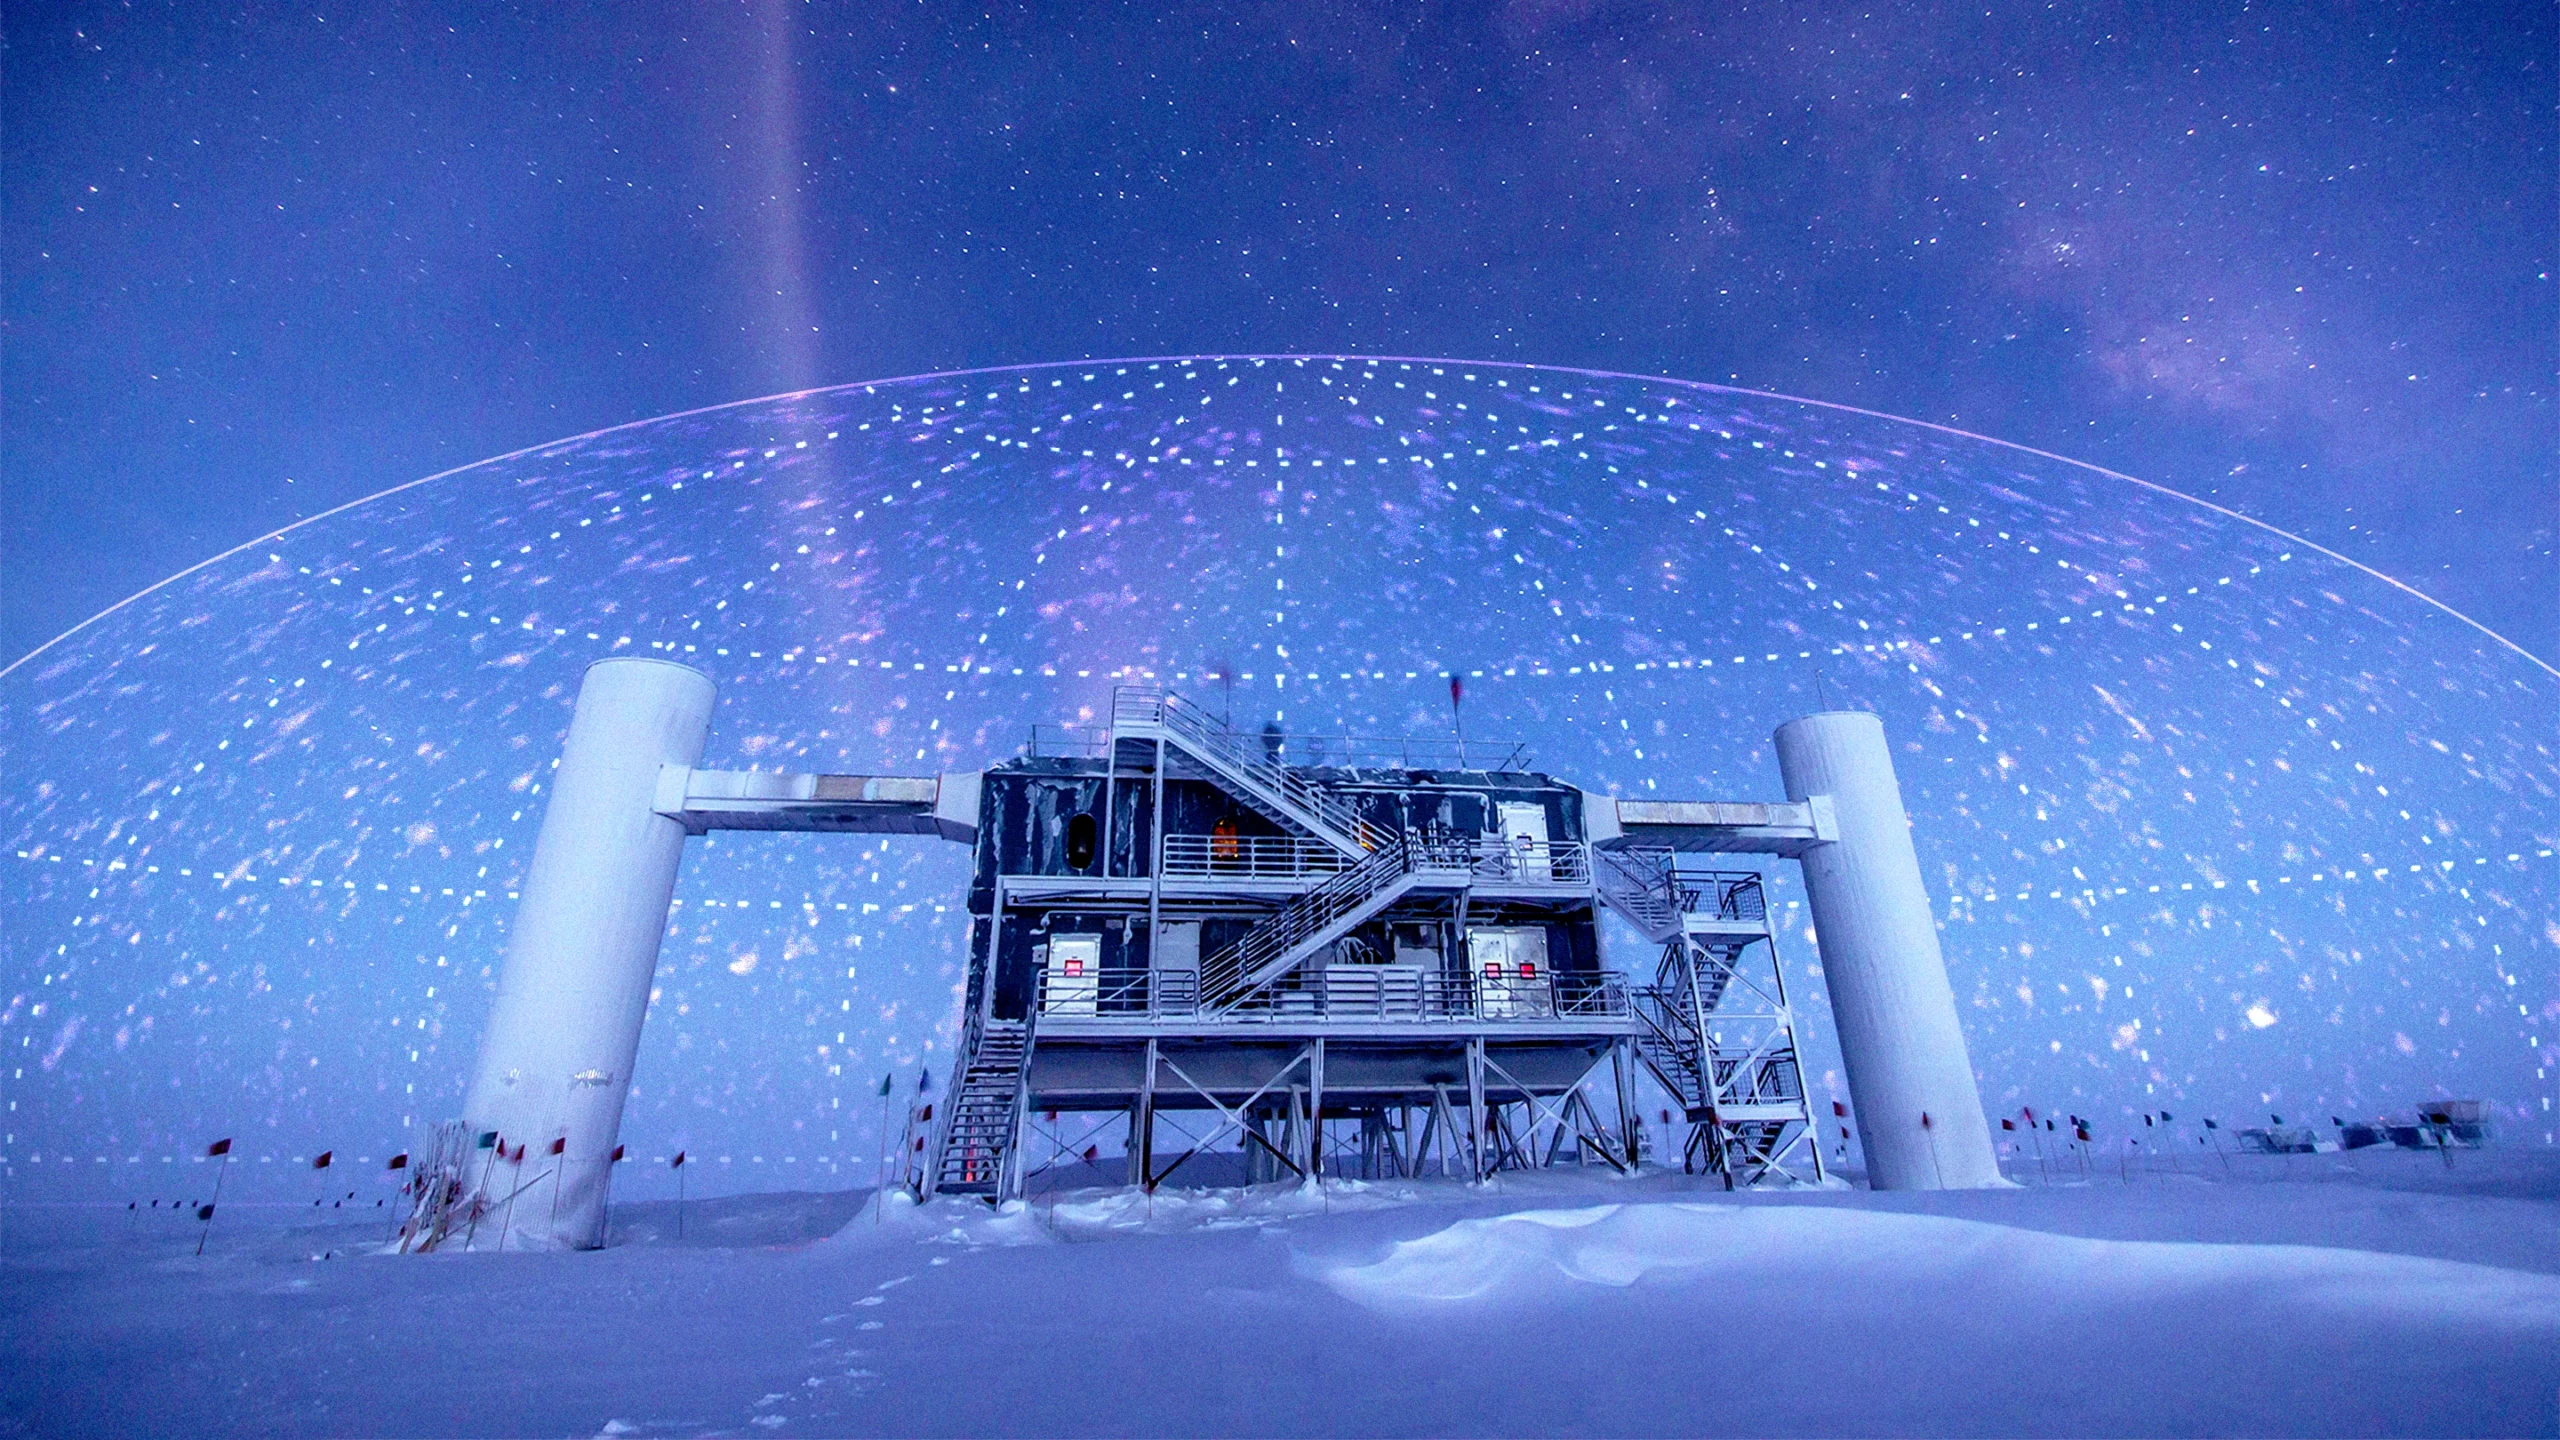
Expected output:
{"points": [[1397, 752]]}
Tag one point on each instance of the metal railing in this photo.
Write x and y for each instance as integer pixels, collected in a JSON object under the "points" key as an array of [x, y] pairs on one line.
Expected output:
{"points": [[1340, 992], [1117, 990], [1530, 862], [1395, 752], [1292, 857], [1655, 887], [1068, 742], [1247, 762], [1401, 752], [1250, 857], [1229, 976]]}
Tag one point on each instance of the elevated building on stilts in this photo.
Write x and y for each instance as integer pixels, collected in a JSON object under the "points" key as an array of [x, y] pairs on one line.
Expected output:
{"points": [[1320, 953]]}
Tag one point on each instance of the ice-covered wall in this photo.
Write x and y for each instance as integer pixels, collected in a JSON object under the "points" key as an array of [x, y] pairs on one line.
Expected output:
{"points": [[2206, 816]]}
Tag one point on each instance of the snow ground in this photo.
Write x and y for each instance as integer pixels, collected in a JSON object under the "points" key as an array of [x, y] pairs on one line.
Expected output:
{"points": [[2390, 1296]]}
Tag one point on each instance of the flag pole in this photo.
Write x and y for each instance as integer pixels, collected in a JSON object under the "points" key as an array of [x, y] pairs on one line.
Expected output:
{"points": [[509, 1219], [221, 1148], [397, 1162], [493, 1142], [880, 1153], [559, 1162]]}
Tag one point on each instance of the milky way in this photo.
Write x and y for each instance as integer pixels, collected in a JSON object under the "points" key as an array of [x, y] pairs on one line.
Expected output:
{"points": [[2212, 819]]}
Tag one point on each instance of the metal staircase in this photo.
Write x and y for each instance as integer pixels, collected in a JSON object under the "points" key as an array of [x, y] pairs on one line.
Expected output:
{"points": [[1637, 882], [1677, 1009], [1241, 975], [1716, 1035], [1283, 795], [979, 1134]]}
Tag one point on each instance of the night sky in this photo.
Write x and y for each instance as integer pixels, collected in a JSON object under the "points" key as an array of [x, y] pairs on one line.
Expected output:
{"points": [[2218, 817], [2297, 260]]}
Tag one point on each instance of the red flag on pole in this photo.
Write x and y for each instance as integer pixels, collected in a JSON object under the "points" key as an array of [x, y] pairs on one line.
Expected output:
{"points": [[1839, 1109], [321, 1160], [617, 1154], [678, 1162], [1924, 1121], [218, 1147], [560, 1146], [2008, 1124], [399, 1161]]}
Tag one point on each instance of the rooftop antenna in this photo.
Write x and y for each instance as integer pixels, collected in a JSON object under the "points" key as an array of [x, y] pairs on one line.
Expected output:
{"points": [[1225, 674], [1820, 694], [1458, 714]]}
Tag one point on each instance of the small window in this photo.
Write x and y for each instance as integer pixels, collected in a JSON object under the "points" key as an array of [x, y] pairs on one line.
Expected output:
{"points": [[1083, 838]]}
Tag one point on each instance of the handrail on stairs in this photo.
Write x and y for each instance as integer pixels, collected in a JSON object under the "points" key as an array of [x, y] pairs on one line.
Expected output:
{"points": [[1217, 742], [1302, 916], [1225, 975]]}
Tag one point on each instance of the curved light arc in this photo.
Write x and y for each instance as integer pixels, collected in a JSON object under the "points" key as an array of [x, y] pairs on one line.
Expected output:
{"points": [[2286, 535]]}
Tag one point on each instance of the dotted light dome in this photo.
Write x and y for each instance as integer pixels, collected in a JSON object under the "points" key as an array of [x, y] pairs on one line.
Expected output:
{"points": [[2213, 820]]}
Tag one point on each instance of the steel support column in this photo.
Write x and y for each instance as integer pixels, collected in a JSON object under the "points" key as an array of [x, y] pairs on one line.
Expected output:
{"points": [[1477, 1122]]}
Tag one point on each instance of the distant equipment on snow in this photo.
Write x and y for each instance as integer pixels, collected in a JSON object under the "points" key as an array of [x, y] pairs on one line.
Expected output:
{"points": [[2437, 1124]]}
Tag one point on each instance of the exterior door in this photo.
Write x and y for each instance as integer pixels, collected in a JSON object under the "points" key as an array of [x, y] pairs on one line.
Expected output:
{"points": [[1072, 980], [1511, 979], [1177, 967], [1524, 828]]}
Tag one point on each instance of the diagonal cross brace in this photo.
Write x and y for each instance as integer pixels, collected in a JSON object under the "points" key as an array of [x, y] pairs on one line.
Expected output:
{"points": [[1561, 1112], [1231, 1119]]}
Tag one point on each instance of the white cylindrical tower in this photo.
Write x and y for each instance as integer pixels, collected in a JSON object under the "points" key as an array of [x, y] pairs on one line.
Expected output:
{"points": [[555, 1063], [1919, 1115]]}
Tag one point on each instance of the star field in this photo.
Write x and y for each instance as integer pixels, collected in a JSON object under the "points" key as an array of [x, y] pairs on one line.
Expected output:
{"points": [[2212, 818]]}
